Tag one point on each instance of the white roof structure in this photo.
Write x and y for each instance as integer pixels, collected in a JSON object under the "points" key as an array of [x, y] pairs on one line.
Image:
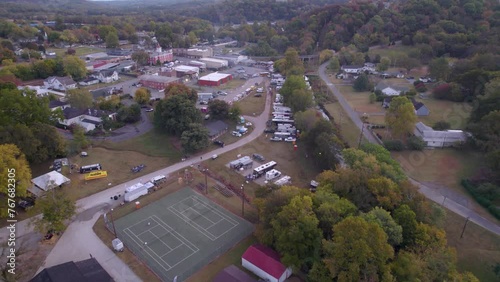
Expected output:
{"points": [[50, 180], [183, 68], [436, 138], [106, 66], [216, 76]]}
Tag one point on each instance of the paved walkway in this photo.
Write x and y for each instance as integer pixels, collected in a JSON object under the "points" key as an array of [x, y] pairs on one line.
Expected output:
{"points": [[428, 192], [79, 241]]}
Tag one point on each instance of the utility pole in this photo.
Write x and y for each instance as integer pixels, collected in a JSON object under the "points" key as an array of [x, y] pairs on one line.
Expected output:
{"points": [[463, 230], [112, 222], [364, 118], [242, 200], [205, 171]]}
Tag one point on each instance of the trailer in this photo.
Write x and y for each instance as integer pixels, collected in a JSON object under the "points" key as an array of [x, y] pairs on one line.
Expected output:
{"points": [[282, 134], [89, 168], [137, 190], [281, 120], [283, 181], [260, 170], [236, 164], [272, 174]]}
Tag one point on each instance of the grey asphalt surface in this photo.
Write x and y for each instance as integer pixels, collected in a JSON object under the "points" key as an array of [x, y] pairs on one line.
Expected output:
{"points": [[427, 191], [79, 241]]}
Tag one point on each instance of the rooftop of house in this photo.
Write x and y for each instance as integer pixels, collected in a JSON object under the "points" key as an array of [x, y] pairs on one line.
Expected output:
{"points": [[66, 80], [216, 76], [102, 92], [56, 103], [383, 85], [70, 113], [352, 67], [88, 270]]}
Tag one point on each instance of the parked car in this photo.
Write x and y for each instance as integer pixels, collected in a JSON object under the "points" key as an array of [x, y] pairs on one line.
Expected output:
{"points": [[218, 142], [236, 133], [26, 203], [149, 110], [290, 139], [268, 130], [275, 138], [258, 157]]}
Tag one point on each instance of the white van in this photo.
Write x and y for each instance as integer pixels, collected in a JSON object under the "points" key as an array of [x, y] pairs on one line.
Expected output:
{"points": [[158, 179]]}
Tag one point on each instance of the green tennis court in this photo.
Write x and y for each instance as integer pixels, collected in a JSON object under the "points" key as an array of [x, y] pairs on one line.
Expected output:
{"points": [[180, 233]]}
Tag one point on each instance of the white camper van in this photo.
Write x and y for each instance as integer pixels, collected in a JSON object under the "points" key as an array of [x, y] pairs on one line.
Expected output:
{"points": [[272, 174]]}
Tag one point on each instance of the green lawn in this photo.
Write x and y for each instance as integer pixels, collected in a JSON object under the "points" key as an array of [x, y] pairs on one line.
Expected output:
{"points": [[80, 51], [349, 131], [478, 251], [251, 104], [454, 113], [152, 143], [391, 51]]}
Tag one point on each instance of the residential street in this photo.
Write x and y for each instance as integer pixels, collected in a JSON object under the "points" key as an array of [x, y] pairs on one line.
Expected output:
{"points": [[79, 241], [428, 192]]}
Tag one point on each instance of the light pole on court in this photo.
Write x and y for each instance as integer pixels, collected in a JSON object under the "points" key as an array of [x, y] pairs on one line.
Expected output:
{"points": [[112, 222], [205, 171], [242, 200]]}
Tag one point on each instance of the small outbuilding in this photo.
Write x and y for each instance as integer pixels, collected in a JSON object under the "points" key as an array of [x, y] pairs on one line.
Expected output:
{"points": [[214, 79], [265, 263]]}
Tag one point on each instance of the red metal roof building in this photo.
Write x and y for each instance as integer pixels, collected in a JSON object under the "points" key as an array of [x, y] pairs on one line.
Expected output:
{"points": [[265, 263], [214, 79]]}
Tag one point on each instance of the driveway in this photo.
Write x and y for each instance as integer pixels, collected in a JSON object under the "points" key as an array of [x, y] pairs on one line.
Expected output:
{"points": [[427, 191], [80, 242]]}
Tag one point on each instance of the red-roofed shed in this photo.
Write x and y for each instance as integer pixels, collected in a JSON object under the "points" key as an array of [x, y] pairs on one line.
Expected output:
{"points": [[265, 263]]}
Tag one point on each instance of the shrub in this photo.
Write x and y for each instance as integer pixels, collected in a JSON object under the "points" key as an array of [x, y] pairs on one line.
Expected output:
{"points": [[441, 125], [372, 98], [416, 143], [394, 145], [486, 194]]}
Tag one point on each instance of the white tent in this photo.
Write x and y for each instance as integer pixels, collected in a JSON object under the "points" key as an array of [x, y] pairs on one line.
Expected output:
{"points": [[47, 181]]}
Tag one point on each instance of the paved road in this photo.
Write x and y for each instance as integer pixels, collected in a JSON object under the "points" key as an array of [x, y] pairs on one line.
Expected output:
{"points": [[79, 241], [347, 108], [428, 192]]}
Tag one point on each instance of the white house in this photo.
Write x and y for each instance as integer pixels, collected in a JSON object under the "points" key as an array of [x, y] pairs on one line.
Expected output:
{"points": [[390, 90], [352, 69], [265, 263], [89, 119], [106, 76], [59, 83], [41, 91], [436, 138]]}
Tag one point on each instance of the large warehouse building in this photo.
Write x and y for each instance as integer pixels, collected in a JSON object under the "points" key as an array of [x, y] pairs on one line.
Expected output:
{"points": [[214, 64], [214, 79], [156, 81]]}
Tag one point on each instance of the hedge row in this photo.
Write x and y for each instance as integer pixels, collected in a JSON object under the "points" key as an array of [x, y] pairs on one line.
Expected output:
{"points": [[482, 199]]}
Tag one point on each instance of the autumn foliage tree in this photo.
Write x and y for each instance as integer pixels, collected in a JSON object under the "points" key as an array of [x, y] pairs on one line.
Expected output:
{"points": [[401, 117], [13, 165], [142, 96]]}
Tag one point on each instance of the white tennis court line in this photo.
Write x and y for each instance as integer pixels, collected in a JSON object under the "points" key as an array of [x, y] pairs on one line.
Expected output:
{"points": [[151, 252], [141, 246], [198, 227], [191, 209], [228, 218], [185, 258]]}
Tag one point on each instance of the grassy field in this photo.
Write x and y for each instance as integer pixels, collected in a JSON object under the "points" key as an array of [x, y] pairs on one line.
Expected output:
{"points": [[444, 167], [251, 105], [478, 251], [350, 133], [359, 101], [152, 143], [80, 51], [391, 51], [454, 113]]}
